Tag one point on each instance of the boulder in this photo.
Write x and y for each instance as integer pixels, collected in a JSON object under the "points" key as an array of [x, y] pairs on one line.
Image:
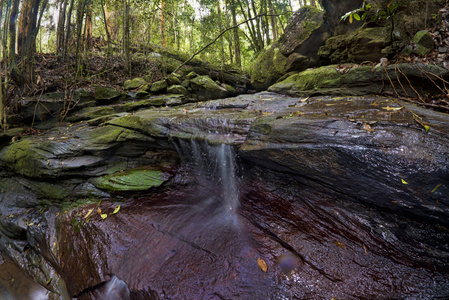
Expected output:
{"points": [[178, 89], [268, 67], [105, 94], [206, 89], [134, 83], [305, 32], [363, 80], [159, 87]]}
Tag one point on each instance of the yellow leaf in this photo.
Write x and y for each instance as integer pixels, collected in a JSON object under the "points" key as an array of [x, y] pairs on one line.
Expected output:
{"points": [[340, 244], [117, 208], [403, 181], [262, 264], [103, 216], [392, 108], [367, 127], [88, 213], [364, 248]]}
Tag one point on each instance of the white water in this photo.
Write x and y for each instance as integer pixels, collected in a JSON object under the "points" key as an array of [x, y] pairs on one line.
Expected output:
{"points": [[216, 165], [116, 289]]}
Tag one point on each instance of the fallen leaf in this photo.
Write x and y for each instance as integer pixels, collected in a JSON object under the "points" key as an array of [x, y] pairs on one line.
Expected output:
{"points": [[364, 248], [117, 208], [367, 127], [51, 138], [262, 264], [392, 108], [103, 216], [340, 244], [88, 213], [403, 181], [48, 282]]}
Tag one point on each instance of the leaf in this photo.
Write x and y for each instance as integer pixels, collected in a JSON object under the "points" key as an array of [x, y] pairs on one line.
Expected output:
{"points": [[392, 108], [103, 216], [350, 19], [426, 127], [262, 264], [436, 188], [357, 17], [340, 244], [117, 208], [48, 282], [367, 127], [364, 248], [403, 181], [88, 213]]}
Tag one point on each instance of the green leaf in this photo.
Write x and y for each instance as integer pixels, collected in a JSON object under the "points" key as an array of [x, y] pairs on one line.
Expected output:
{"points": [[117, 208], [357, 17], [436, 188], [427, 128], [103, 216]]}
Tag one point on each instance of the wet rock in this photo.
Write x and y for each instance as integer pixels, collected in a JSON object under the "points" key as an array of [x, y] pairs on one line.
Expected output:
{"points": [[91, 113], [423, 42], [106, 94]]}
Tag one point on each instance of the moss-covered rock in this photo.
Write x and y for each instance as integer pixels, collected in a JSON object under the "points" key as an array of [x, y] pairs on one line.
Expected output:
{"points": [[134, 83], [364, 44], [106, 93], [423, 42], [140, 124], [206, 89], [131, 180], [158, 101], [300, 27], [178, 89], [268, 67], [191, 75], [25, 157], [159, 87], [91, 113]]}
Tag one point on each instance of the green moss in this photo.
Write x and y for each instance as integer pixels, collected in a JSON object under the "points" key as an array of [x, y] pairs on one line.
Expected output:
{"points": [[92, 113], [139, 124], [105, 93], [45, 190], [131, 180], [24, 158], [269, 66], [141, 104], [133, 83]]}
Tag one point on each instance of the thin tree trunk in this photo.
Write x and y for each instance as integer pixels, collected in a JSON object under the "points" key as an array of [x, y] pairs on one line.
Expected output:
{"points": [[60, 29], [68, 27], [238, 59], [125, 35], [88, 28], [273, 20], [164, 44], [220, 26]]}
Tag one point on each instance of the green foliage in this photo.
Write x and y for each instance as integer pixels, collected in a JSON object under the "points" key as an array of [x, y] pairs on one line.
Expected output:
{"points": [[371, 13]]}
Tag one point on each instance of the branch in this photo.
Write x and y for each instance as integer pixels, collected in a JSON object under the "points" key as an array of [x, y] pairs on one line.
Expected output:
{"points": [[219, 36]]}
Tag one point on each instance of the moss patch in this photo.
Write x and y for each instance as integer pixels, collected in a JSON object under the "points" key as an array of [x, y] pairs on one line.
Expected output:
{"points": [[131, 180], [24, 158]]}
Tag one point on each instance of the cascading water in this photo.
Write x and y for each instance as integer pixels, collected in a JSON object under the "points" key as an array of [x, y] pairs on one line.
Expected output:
{"points": [[214, 165]]}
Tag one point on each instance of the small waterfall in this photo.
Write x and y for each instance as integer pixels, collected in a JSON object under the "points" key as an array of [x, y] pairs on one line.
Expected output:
{"points": [[216, 165], [116, 289]]}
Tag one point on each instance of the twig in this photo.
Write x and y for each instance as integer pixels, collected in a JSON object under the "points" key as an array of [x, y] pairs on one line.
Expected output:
{"points": [[419, 96]]}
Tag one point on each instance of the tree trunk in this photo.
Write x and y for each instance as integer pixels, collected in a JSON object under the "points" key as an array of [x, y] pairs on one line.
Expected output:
{"points": [[238, 59], [220, 26], [12, 30], [88, 28], [125, 36], [60, 29], [68, 27], [163, 24], [273, 20]]}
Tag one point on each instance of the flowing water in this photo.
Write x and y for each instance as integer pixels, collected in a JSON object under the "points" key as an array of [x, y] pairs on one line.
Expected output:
{"points": [[214, 165]]}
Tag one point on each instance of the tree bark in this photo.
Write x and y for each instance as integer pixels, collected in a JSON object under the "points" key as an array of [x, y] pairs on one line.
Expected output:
{"points": [[68, 28], [273, 20], [88, 28], [220, 26], [238, 58], [125, 36], [164, 44], [60, 29]]}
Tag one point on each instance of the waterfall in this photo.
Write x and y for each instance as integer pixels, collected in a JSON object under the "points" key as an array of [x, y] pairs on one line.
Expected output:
{"points": [[213, 165], [116, 289]]}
